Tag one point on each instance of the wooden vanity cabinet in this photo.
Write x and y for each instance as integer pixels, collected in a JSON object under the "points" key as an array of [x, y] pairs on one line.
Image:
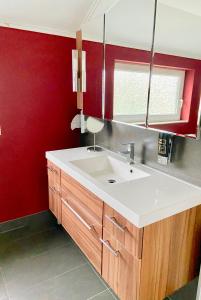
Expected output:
{"points": [[170, 254], [147, 263], [54, 183]]}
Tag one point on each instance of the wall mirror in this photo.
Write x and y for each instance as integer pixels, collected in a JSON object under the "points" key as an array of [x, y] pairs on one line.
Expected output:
{"points": [[128, 44], [92, 42], [176, 76]]}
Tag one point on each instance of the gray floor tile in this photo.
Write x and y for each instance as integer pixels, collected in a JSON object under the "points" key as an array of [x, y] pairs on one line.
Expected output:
{"points": [[50, 239], [34, 245], [24, 273], [26, 226], [3, 294], [39, 261], [79, 284]]}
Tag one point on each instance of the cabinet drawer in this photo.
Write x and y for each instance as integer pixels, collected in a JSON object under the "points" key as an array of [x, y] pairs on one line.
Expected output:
{"points": [[86, 202], [86, 235], [120, 269], [121, 229]]}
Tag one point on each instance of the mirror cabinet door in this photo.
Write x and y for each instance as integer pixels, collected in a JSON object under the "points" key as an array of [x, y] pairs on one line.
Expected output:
{"points": [[176, 76], [128, 43], [92, 35]]}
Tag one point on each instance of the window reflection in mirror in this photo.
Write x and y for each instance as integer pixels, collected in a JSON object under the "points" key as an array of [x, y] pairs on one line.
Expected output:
{"points": [[177, 49], [130, 92], [129, 33]]}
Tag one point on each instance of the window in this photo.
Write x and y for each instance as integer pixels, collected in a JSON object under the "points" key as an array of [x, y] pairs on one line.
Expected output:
{"points": [[131, 89]]}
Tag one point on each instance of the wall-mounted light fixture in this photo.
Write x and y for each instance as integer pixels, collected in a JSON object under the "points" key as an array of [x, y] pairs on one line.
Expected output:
{"points": [[75, 70], [79, 75], [79, 70]]}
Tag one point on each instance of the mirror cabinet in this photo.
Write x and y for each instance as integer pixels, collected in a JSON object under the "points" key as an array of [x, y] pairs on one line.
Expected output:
{"points": [[128, 43], [143, 63], [176, 75]]}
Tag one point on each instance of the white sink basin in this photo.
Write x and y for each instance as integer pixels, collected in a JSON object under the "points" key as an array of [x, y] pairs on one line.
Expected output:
{"points": [[109, 170]]}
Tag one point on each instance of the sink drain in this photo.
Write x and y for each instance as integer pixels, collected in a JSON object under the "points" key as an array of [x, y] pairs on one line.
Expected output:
{"points": [[111, 180]]}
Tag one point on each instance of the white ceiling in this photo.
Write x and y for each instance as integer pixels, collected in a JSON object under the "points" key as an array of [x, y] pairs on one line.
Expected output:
{"points": [[62, 17], [128, 23]]}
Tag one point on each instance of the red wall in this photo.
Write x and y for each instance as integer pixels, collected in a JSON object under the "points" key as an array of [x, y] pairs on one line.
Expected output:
{"points": [[93, 97], [36, 108]]}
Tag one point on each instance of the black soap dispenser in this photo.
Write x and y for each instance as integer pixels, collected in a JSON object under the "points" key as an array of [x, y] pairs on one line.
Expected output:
{"points": [[165, 142]]}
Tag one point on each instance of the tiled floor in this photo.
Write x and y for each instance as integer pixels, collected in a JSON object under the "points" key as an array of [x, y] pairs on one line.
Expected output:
{"points": [[39, 261]]}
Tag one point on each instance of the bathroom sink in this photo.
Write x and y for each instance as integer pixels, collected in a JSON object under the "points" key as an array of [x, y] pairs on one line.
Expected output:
{"points": [[108, 169]]}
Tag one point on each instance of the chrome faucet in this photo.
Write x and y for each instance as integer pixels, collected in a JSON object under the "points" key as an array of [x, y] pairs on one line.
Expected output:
{"points": [[130, 151]]}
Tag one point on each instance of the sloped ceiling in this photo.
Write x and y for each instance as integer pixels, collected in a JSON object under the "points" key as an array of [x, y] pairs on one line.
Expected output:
{"points": [[62, 17], [129, 23]]}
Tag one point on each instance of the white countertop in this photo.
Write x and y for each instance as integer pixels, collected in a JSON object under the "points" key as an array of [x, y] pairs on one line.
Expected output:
{"points": [[142, 201]]}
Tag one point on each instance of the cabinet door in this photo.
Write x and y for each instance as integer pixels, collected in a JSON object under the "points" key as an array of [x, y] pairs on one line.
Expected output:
{"points": [[120, 269]]}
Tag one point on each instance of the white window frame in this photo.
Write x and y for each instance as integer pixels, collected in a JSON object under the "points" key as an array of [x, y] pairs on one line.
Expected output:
{"points": [[153, 118]]}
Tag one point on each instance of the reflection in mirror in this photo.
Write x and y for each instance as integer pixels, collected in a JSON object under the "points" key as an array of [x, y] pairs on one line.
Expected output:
{"points": [[176, 78], [128, 43], [92, 33]]}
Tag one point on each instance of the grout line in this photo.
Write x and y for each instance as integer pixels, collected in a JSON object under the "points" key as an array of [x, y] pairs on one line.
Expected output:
{"points": [[99, 276], [28, 236], [24, 217], [113, 296], [102, 280], [49, 279], [26, 256], [34, 233], [92, 297], [13, 229], [65, 245]]}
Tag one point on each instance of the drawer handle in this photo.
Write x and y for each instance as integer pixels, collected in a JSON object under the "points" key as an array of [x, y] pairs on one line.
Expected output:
{"points": [[52, 189], [55, 171], [114, 222], [52, 170], [89, 227], [107, 245]]}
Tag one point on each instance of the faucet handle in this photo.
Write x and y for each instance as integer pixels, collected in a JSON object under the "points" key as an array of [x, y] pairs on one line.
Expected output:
{"points": [[130, 145]]}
